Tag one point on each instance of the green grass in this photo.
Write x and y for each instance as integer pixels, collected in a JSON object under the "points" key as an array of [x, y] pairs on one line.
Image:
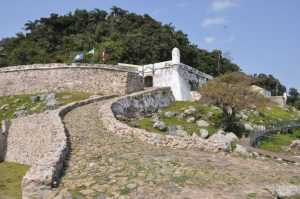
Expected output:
{"points": [[279, 141], [41, 106], [11, 175], [273, 116], [190, 128]]}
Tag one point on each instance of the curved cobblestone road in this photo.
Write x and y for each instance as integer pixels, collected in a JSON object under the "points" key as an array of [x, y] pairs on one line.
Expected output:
{"points": [[103, 165]]}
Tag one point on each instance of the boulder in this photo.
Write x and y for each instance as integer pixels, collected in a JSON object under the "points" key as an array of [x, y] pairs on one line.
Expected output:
{"points": [[204, 133], [52, 103], [202, 123], [178, 127], [285, 191], [19, 113], [189, 111], [181, 117], [154, 118], [218, 138], [295, 144], [21, 108], [259, 127], [195, 96], [248, 127], [159, 125], [18, 100], [35, 98], [240, 149], [231, 137], [4, 107], [169, 114], [181, 133], [191, 119]]}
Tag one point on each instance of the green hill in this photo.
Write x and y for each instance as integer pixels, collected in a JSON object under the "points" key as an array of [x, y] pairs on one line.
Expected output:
{"points": [[126, 37]]}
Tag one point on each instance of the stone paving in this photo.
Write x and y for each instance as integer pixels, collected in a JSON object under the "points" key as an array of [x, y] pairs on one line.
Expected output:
{"points": [[103, 165]]}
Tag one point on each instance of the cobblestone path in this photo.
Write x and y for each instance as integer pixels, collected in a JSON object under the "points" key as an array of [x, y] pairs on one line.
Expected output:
{"points": [[103, 165]]}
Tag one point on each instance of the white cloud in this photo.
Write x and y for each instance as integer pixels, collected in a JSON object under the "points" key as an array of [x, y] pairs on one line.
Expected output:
{"points": [[214, 40], [209, 40], [214, 21], [219, 5]]}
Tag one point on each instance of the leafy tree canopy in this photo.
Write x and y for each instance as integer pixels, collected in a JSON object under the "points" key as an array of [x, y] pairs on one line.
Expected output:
{"points": [[269, 83], [126, 37]]}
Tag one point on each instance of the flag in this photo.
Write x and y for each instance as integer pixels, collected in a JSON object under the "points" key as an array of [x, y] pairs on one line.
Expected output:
{"points": [[91, 52], [103, 56], [78, 57]]}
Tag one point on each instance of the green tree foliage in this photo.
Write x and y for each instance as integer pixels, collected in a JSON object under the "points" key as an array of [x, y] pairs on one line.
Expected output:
{"points": [[126, 37], [294, 98], [270, 83], [231, 92]]}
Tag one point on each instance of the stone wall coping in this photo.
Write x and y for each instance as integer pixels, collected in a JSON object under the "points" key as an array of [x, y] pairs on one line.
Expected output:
{"points": [[45, 173], [113, 125], [55, 66]]}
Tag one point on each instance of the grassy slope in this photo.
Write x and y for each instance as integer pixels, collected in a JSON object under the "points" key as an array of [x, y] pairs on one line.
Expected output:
{"points": [[11, 175], [8, 114], [277, 142], [190, 128]]}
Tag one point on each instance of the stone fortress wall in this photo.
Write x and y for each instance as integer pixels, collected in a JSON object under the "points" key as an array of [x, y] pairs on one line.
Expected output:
{"points": [[38, 78], [148, 102]]}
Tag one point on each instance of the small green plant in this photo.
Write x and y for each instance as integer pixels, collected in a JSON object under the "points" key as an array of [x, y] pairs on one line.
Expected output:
{"points": [[125, 191]]}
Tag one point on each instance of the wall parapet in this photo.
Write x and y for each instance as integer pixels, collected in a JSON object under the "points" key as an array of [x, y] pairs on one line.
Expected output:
{"points": [[104, 79], [136, 101], [46, 171]]}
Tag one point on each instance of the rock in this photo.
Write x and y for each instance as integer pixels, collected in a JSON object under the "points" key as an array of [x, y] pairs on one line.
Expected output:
{"points": [[269, 108], [19, 113], [191, 120], [256, 113], [4, 107], [181, 133], [132, 186], [21, 108], [204, 133], [195, 96], [284, 191], [50, 96], [259, 127], [180, 117], [219, 138], [159, 125], [243, 116], [154, 118], [178, 127], [221, 131], [52, 103], [18, 100], [295, 144], [248, 127], [189, 111], [169, 114], [231, 137], [202, 123], [240, 149], [35, 98]]}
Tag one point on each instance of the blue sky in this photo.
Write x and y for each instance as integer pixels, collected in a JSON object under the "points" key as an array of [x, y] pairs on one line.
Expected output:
{"points": [[262, 36]]}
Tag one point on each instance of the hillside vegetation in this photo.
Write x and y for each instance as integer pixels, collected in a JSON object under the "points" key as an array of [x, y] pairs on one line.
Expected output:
{"points": [[126, 37]]}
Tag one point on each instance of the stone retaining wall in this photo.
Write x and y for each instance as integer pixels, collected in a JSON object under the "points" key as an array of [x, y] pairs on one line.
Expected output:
{"points": [[150, 101], [104, 79], [41, 141]]}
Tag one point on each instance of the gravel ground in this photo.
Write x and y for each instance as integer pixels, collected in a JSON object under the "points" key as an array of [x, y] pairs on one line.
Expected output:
{"points": [[103, 165]]}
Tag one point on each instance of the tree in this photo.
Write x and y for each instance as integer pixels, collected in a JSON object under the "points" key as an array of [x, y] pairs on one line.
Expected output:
{"points": [[231, 93], [293, 96]]}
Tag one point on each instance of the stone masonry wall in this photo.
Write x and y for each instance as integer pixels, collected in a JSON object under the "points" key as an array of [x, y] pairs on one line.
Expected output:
{"points": [[148, 101], [39, 140], [89, 79], [46, 171], [3, 139]]}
